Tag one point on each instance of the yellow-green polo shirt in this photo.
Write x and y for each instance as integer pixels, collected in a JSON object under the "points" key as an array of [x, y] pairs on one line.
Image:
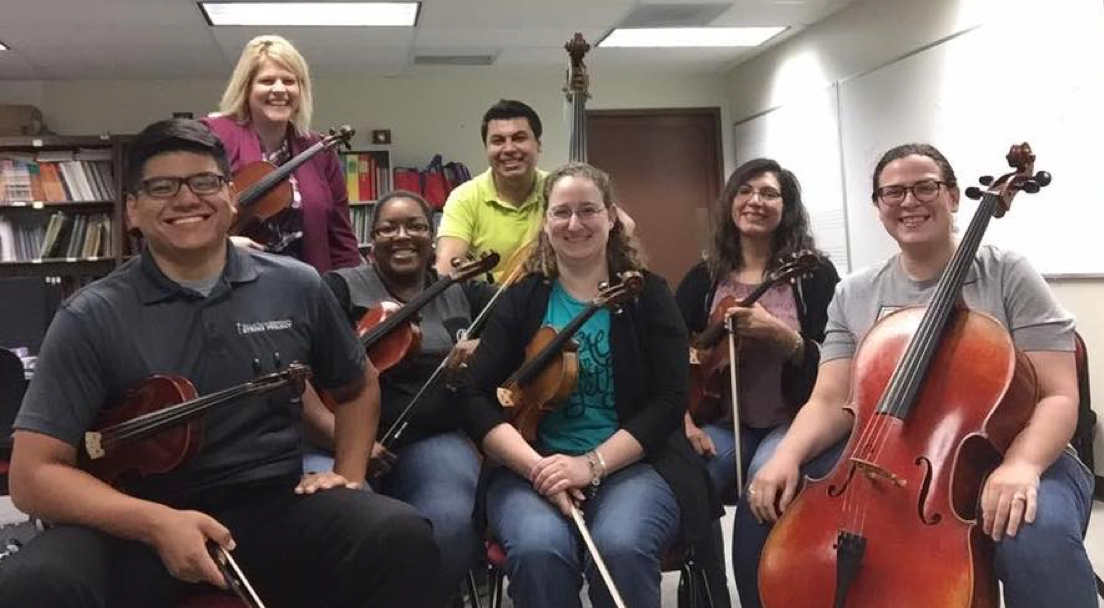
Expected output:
{"points": [[475, 213]]}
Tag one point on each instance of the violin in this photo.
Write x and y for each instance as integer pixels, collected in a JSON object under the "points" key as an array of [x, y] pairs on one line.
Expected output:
{"points": [[264, 191], [387, 331], [157, 427], [708, 362], [515, 267], [551, 367], [939, 393]]}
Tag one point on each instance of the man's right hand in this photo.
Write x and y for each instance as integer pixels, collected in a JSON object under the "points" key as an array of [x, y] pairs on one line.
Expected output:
{"points": [[180, 538], [774, 487]]}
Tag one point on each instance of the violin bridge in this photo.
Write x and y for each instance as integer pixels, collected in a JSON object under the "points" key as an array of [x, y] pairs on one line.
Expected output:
{"points": [[93, 445], [505, 397], [873, 471]]}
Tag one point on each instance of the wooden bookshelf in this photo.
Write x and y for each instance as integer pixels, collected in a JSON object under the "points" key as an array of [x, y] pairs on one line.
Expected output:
{"points": [[61, 205]]}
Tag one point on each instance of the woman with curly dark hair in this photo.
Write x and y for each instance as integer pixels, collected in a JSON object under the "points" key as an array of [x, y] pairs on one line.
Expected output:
{"points": [[759, 222], [618, 433]]}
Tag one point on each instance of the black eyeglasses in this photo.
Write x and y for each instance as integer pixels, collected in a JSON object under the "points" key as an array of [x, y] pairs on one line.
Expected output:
{"points": [[391, 231], [924, 191], [201, 184]]}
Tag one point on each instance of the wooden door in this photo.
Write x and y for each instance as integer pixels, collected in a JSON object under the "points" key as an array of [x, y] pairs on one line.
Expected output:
{"points": [[666, 169]]}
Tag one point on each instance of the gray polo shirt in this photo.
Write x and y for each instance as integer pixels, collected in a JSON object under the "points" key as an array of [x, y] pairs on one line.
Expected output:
{"points": [[1000, 282], [137, 322]]}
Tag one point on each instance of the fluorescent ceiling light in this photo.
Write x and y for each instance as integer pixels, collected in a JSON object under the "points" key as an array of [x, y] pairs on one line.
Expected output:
{"points": [[689, 36], [311, 13]]}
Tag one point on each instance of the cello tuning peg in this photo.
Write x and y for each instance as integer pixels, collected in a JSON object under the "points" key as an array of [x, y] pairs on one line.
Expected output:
{"points": [[1030, 187], [1043, 179], [985, 180], [604, 285], [973, 192]]}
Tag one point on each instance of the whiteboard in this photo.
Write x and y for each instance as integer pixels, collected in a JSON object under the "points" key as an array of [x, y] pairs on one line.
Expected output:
{"points": [[1025, 75], [803, 137]]}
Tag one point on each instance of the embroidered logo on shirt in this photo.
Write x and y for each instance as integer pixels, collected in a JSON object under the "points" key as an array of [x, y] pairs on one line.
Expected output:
{"points": [[263, 326]]}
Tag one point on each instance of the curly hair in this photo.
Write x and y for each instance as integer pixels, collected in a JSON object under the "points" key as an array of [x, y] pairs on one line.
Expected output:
{"points": [[623, 251], [791, 235]]}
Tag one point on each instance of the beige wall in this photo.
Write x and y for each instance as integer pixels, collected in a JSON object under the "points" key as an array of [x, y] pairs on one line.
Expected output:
{"points": [[865, 35], [437, 111]]}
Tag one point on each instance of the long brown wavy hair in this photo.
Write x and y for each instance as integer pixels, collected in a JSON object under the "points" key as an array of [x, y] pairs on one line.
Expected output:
{"points": [[791, 235], [623, 252]]}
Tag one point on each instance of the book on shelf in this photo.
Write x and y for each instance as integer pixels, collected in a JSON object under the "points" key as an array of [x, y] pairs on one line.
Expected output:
{"points": [[367, 174], [55, 181], [61, 235]]}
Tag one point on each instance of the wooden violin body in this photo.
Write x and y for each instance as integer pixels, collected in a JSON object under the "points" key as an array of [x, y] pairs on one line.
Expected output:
{"points": [[918, 502], [264, 191], [158, 426], [549, 388], [395, 345], [160, 453], [708, 360]]}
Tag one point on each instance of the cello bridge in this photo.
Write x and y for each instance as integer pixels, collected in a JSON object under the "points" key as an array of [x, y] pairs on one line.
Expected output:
{"points": [[874, 471]]}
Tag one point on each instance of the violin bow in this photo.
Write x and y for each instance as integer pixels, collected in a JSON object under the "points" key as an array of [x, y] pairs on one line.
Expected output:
{"points": [[733, 378], [235, 579], [597, 557]]}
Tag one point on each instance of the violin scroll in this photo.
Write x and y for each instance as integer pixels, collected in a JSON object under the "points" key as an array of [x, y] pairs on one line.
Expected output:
{"points": [[342, 135], [465, 269]]}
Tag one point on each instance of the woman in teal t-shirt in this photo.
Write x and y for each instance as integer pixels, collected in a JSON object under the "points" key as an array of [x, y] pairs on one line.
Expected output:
{"points": [[618, 433]]}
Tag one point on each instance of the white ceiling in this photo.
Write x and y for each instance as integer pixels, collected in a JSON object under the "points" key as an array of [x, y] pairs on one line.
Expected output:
{"points": [[150, 39]]}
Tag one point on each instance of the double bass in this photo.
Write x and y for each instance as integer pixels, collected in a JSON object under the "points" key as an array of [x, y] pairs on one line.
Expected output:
{"points": [[939, 393]]}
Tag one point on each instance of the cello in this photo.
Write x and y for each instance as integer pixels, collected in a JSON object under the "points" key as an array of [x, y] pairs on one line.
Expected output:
{"points": [[264, 191], [895, 523]]}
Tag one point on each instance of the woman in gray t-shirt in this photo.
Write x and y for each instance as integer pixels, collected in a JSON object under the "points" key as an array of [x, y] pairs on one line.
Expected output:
{"points": [[1035, 504]]}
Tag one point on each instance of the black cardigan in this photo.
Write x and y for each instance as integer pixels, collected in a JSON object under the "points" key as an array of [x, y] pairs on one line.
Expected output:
{"points": [[812, 293], [648, 343]]}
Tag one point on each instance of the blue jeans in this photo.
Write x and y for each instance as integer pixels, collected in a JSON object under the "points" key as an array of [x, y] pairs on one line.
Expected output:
{"points": [[633, 519], [437, 475], [756, 445], [1044, 565]]}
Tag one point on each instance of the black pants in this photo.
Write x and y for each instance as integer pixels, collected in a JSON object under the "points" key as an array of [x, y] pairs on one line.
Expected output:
{"points": [[339, 548]]}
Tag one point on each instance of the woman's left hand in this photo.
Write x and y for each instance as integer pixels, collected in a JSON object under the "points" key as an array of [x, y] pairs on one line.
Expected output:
{"points": [[558, 473], [756, 322], [1009, 499]]}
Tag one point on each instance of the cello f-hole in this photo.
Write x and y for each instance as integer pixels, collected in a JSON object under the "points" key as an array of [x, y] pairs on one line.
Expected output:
{"points": [[922, 500]]}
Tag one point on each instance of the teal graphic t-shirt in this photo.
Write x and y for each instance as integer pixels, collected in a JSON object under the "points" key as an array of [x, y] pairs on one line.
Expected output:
{"points": [[589, 416]]}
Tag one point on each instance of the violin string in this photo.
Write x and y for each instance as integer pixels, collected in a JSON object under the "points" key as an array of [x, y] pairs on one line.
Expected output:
{"points": [[182, 411]]}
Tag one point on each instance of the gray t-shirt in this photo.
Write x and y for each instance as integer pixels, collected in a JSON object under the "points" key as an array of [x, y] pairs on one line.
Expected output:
{"points": [[1000, 283]]}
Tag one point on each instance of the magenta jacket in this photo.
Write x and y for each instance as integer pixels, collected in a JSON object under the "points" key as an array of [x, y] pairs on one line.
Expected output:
{"points": [[328, 238]]}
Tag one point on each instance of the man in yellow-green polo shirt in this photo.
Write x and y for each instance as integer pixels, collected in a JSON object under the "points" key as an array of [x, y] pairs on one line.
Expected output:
{"points": [[500, 209]]}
